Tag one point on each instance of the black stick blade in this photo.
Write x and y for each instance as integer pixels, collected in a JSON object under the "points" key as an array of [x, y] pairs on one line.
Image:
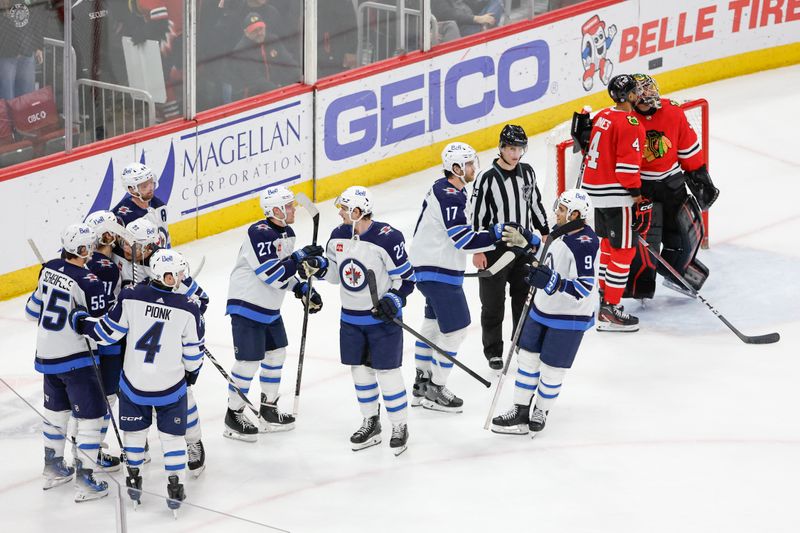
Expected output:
{"points": [[769, 338]]}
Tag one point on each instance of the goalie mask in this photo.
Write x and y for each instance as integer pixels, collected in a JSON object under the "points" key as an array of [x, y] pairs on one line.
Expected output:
{"points": [[647, 91]]}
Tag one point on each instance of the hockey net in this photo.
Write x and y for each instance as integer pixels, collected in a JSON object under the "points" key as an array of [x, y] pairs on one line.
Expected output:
{"points": [[563, 164]]}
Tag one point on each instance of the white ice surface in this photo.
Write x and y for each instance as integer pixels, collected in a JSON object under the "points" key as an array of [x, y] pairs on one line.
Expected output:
{"points": [[680, 427]]}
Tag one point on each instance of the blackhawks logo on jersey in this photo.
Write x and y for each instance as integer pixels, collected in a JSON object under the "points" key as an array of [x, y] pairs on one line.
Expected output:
{"points": [[633, 120], [656, 145]]}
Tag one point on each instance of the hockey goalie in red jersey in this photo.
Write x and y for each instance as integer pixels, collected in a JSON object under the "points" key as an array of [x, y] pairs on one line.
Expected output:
{"points": [[612, 156], [672, 156]]}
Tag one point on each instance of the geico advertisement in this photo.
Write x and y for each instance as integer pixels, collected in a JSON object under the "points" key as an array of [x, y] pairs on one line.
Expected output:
{"points": [[393, 112], [199, 170]]}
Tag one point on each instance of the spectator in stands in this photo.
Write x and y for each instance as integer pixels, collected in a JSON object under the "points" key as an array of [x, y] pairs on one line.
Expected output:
{"points": [[21, 42], [471, 16], [257, 66], [337, 37]]}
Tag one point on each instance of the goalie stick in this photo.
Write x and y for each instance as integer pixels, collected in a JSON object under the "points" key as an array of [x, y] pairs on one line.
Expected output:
{"points": [[309, 206], [768, 338], [556, 233], [373, 292]]}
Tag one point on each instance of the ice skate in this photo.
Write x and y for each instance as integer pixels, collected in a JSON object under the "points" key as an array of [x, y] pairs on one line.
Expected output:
{"points": [[496, 363], [369, 434], [86, 486], [421, 381], [134, 483], [239, 427], [273, 420], [56, 472], [512, 422], [107, 462], [440, 398], [197, 458], [613, 318], [398, 442], [538, 421], [175, 494]]}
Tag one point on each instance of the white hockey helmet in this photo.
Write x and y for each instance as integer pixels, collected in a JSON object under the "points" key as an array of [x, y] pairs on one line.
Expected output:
{"points": [[77, 236], [574, 200], [135, 174], [460, 154], [102, 222], [277, 196], [355, 197], [144, 233], [167, 261]]}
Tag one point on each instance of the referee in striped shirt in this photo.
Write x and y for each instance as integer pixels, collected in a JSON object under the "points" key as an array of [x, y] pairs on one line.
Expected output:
{"points": [[505, 193]]}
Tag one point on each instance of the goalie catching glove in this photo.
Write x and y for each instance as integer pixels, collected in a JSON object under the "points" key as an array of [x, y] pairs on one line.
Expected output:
{"points": [[702, 187], [301, 293]]}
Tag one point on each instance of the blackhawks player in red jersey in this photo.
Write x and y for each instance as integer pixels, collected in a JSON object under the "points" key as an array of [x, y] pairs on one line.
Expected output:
{"points": [[672, 156], [612, 156]]}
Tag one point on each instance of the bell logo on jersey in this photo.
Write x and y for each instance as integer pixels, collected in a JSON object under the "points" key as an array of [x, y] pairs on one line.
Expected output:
{"points": [[353, 275]]}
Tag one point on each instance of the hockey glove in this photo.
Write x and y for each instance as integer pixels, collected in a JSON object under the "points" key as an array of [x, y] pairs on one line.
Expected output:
{"points": [[301, 293], [191, 377], [316, 265], [642, 215], [389, 306], [516, 236], [307, 251], [77, 319], [702, 187], [545, 278]]}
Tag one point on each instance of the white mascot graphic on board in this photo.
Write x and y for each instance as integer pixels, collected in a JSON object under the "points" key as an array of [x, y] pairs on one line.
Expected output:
{"points": [[596, 40]]}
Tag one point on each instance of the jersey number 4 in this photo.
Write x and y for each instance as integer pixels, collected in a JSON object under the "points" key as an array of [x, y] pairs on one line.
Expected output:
{"points": [[593, 154], [150, 342]]}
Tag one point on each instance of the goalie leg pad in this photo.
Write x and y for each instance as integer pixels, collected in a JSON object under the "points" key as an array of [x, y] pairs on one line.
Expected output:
{"points": [[683, 235]]}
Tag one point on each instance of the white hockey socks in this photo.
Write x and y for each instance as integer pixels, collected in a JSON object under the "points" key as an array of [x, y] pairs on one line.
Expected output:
{"points": [[366, 389], [88, 440], [193, 432], [134, 443], [174, 447], [112, 399], [549, 386], [527, 377], [450, 342], [242, 374], [54, 429], [271, 368], [422, 352], [394, 395]]}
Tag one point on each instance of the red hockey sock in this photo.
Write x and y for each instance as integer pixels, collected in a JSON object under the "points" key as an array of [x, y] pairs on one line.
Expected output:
{"points": [[616, 276], [605, 257]]}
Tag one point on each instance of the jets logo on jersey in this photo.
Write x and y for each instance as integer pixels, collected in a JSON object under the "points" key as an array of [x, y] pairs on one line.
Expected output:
{"points": [[451, 190], [91, 277], [262, 227], [584, 239], [124, 210], [105, 263], [353, 275], [385, 230]]}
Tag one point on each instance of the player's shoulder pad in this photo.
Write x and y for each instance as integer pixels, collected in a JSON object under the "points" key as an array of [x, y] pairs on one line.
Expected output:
{"points": [[386, 234], [157, 202], [586, 237], [445, 192], [262, 231], [342, 231]]}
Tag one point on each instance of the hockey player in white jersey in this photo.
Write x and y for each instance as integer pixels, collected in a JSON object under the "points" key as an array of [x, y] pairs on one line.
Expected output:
{"points": [[163, 355], [442, 239], [562, 310], [369, 341], [62, 356], [140, 183], [264, 272], [147, 239]]}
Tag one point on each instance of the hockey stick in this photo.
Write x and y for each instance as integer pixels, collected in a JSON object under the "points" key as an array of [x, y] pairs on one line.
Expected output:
{"points": [[231, 383], [99, 376], [309, 206], [555, 234], [768, 338], [200, 267], [504, 260], [373, 292]]}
